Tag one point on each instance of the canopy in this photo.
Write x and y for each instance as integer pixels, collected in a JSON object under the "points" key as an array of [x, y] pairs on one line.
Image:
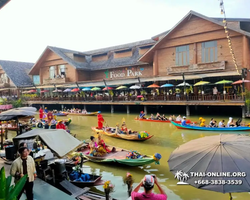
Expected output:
{"points": [[27, 108], [224, 82], [201, 83], [109, 88], [58, 140], [75, 90], [213, 154], [182, 84], [153, 86], [43, 91], [67, 90], [57, 90], [95, 89], [122, 87], [240, 82], [86, 89], [135, 87], [167, 85], [17, 112]]}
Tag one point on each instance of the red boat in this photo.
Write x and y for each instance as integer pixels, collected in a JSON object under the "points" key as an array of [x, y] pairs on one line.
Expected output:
{"points": [[164, 121]]}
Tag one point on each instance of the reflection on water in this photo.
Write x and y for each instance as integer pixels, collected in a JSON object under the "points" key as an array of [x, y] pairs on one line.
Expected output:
{"points": [[166, 139]]}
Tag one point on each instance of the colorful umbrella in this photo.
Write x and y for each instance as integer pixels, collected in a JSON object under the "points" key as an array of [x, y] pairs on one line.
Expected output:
{"points": [[201, 83], [122, 87], [57, 90], [75, 90], [182, 84], [240, 82], [86, 89], [109, 88], [139, 96], [95, 89], [67, 90], [224, 82], [135, 87], [153, 86], [43, 91], [167, 85], [31, 91]]}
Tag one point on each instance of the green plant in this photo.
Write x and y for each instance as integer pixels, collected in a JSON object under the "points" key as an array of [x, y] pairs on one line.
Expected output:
{"points": [[247, 100], [18, 103], [7, 191]]}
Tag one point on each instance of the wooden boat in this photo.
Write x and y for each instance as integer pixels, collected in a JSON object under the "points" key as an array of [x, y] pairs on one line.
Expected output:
{"points": [[166, 121], [60, 114], [119, 156], [14, 128], [190, 127], [132, 137], [82, 114], [94, 181]]}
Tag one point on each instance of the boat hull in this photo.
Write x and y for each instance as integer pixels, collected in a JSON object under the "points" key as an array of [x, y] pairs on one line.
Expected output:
{"points": [[81, 114], [60, 114], [197, 128], [167, 121], [131, 137]]}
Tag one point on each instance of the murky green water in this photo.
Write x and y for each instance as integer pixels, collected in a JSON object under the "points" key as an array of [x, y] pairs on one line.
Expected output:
{"points": [[166, 139]]}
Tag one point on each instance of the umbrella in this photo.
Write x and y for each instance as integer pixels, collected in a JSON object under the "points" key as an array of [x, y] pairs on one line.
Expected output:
{"points": [[167, 85], [201, 83], [218, 158], [182, 84], [16, 112], [135, 87], [121, 87], [57, 90], [86, 89], [109, 88], [153, 86], [240, 82], [31, 91], [43, 91], [95, 89], [27, 108], [224, 82], [67, 90], [139, 96], [75, 90]]}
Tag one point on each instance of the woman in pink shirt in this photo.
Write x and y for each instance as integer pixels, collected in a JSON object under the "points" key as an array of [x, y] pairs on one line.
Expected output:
{"points": [[148, 184]]}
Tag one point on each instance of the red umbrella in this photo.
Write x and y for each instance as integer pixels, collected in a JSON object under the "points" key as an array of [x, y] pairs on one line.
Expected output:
{"points": [[109, 88], [75, 90], [153, 86], [32, 91], [140, 96], [44, 91], [240, 82]]}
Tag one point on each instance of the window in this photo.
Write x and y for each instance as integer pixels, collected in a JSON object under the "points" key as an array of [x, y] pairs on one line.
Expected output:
{"points": [[209, 51], [62, 70], [182, 55], [36, 79], [52, 72]]}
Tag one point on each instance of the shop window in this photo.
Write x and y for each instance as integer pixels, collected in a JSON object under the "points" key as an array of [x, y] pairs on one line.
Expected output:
{"points": [[182, 55], [209, 51], [62, 70]]}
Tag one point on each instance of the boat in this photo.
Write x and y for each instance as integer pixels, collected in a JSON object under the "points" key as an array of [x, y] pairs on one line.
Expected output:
{"points": [[166, 121], [83, 114], [118, 156], [94, 181], [132, 137], [198, 128], [60, 114]]}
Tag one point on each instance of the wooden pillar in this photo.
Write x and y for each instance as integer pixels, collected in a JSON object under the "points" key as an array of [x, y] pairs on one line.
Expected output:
{"points": [[127, 109], [41, 75], [195, 53], [84, 107], [145, 110], [187, 110], [246, 58], [243, 112], [112, 108], [155, 64], [62, 107], [18, 93]]}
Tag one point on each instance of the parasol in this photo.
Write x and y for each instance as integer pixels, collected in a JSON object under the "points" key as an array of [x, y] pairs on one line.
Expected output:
{"points": [[240, 82], [67, 90], [121, 87], [43, 91], [57, 90], [95, 89], [167, 85], [223, 82], [75, 90], [135, 87], [182, 84], [86, 89], [153, 86], [107, 88], [201, 83]]}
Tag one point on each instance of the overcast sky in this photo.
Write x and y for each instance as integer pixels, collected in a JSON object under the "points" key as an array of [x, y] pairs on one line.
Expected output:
{"points": [[28, 26]]}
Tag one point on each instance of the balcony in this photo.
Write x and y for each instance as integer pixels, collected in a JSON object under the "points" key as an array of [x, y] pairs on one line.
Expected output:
{"points": [[197, 68], [55, 80], [2, 85]]}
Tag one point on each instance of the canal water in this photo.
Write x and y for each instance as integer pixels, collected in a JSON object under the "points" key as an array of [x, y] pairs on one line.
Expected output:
{"points": [[166, 139]]}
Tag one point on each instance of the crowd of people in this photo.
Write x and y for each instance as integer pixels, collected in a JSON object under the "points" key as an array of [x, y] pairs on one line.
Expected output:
{"points": [[221, 124], [76, 110], [142, 115]]}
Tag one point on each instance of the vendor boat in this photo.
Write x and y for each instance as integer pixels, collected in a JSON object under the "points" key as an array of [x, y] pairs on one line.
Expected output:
{"points": [[84, 114], [162, 121], [120, 156], [135, 136], [198, 128]]}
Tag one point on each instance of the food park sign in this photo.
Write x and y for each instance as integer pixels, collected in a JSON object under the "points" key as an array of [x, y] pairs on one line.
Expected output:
{"points": [[124, 73]]}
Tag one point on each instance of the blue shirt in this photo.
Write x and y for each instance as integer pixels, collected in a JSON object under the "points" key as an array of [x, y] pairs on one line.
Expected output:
{"points": [[183, 123], [141, 115]]}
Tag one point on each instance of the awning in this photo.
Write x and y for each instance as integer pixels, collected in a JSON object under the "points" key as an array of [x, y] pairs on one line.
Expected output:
{"points": [[58, 140]]}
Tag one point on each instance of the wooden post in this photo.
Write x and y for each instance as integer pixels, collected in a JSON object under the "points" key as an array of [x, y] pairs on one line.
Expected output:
{"points": [[112, 109], [127, 109], [155, 64], [195, 54]]}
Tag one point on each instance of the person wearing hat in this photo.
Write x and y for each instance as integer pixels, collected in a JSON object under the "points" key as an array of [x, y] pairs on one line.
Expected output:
{"points": [[142, 115], [148, 183], [203, 123], [184, 121], [41, 113], [100, 120], [46, 110], [60, 125]]}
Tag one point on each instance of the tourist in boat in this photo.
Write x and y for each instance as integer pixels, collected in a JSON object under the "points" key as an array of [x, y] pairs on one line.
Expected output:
{"points": [[60, 125], [152, 117], [164, 118], [46, 125], [215, 124], [92, 146], [100, 120], [142, 115], [221, 124], [232, 124], [102, 148], [211, 123], [148, 183], [229, 121], [49, 116], [179, 119], [124, 128], [117, 130], [173, 118], [84, 111], [158, 116], [46, 110], [41, 113], [184, 121], [67, 129], [39, 124], [202, 124], [238, 122], [170, 118]]}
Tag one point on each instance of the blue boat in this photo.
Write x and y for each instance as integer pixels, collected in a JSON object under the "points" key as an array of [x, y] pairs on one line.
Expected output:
{"points": [[60, 114], [198, 128]]}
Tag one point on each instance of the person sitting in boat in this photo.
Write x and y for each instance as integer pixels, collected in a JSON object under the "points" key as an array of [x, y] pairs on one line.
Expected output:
{"points": [[232, 124], [200, 119], [67, 129], [229, 121], [142, 115], [171, 118], [179, 119], [49, 116], [117, 130], [211, 123], [84, 111], [184, 121], [174, 118], [238, 122], [46, 110], [202, 124], [60, 125], [152, 117], [92, 146], [124, 129], [100, 120], [164, 118], [102, 148], [158, 116], [46, 125], [221, 124], [215, 124], [39, 124]]}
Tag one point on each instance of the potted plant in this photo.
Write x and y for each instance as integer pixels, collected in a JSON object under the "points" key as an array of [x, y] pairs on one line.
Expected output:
{"points": [[129, 180], [108, 188]]}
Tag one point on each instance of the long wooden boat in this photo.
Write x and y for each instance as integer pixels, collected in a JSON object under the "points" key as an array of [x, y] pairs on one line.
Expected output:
{"points": [[132, 137], [82, 114], [94, 181], [189, 127], [162, 121], [119, 156]]}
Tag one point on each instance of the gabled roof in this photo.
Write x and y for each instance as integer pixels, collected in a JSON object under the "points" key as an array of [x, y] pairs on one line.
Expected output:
{"points": [[3, 3], [17, 72], [231, 26]]}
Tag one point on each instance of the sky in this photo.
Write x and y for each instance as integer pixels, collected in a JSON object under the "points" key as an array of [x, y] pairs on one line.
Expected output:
{"points": [[28, 26]]}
